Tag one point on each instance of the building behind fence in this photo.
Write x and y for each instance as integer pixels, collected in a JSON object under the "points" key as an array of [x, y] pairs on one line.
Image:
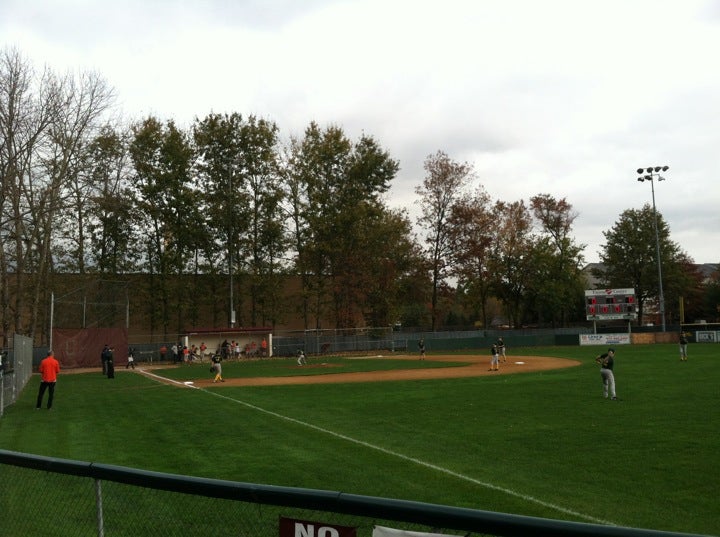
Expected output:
{"points": [[50, 496]]}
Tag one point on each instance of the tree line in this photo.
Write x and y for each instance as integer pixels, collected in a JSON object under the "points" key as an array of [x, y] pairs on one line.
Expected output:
{"points": [[227, 198]]}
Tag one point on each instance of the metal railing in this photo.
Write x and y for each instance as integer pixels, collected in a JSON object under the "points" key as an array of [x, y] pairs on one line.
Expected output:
{"points": [[44, 495]]}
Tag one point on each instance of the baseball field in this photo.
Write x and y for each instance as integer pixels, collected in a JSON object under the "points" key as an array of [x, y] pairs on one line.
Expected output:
{"points": [[536, 438]]}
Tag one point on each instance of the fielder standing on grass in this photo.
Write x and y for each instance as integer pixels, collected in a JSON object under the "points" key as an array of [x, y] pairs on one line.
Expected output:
{"points": [[607, 362], [683, 346]]}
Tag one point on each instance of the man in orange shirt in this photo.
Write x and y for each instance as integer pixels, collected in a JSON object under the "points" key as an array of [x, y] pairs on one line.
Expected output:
{"points": [[49, 370]]}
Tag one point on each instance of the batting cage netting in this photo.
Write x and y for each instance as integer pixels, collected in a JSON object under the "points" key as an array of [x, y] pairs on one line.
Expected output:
{"points": [[86, 319]]}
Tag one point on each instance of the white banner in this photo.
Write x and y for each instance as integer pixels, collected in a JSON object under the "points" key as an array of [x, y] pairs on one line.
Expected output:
{"points": [[706, 336], [610, 292], [381, 531], [604, 339]]}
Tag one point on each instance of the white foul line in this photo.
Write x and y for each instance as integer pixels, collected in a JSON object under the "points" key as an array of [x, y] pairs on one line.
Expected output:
{"points": [[462, 477]]}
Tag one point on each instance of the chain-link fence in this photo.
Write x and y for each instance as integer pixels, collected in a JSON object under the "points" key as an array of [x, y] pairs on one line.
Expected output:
{"points": [[333, 341], [16, 365], [48, 496], [367, 340]]}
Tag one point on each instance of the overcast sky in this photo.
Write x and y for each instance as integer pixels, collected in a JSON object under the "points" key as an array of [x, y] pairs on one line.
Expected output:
{"points": [[564, 97]]}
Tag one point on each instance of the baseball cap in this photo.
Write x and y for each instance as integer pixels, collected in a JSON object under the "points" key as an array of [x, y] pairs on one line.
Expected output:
{"points": [[611, 349]]}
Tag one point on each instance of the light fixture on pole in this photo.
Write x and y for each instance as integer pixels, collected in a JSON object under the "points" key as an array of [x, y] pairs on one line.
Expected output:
{"points": [[649, 174]]}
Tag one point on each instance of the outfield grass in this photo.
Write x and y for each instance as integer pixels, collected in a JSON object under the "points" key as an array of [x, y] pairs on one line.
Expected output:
{"points": [[541, 444]]}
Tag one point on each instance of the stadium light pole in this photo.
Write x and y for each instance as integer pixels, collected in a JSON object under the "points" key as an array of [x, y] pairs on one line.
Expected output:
{"points": [[231, 248], [649, 174]]}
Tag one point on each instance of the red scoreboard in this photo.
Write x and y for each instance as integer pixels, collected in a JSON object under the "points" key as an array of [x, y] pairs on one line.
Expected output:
{"points": [[610, 304]]}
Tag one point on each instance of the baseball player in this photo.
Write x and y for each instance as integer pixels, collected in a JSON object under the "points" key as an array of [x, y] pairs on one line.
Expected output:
{"points": [[606, 362], [494, 361], [683, 346], [501, 349], [217, 367], [301, 358]]}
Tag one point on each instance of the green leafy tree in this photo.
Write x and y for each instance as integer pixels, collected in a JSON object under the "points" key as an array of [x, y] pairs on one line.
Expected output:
{"points": [[335, 192], [218, 143], [630, 260], [693, 302], [239, 175], [711, 299], [113, 228], [162, 158], [559, 287], [324, 160], [296, 195], [266, 240]]}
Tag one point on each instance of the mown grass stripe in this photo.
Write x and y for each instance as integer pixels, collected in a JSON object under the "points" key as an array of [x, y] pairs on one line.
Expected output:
{"points": [[381, 449]]}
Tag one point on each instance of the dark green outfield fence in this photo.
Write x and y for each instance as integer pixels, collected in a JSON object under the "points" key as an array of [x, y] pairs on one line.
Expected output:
{"points": [[332, 341], [479, 341], [49, 496]]}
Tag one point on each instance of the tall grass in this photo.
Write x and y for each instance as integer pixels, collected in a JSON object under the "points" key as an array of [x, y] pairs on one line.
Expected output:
{"points": [[541, 444]]}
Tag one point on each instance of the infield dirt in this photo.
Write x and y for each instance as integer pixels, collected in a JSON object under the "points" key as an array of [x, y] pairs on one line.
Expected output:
{"points": [[476, 366]]}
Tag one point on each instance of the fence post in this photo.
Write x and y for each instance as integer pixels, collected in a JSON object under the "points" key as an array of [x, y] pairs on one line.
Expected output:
{"points": [[99, 508]]}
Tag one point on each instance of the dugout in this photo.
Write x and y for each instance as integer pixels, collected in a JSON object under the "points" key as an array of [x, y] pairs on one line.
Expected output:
{"points": [[250, 340]]}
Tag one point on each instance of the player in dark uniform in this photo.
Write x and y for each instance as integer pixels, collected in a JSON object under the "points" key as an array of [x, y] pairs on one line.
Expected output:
{"points": [[607, 362], [683, 346], [217, 368], [501, 349], [494, 359]]}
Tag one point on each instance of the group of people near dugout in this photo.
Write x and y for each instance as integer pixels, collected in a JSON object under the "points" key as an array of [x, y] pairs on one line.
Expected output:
{"points": [[234, 349]]}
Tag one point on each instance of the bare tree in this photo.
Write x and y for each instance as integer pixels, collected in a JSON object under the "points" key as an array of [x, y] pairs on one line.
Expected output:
{"points": [[25, 115], [44, 125], [78, 103], [472, 236]]}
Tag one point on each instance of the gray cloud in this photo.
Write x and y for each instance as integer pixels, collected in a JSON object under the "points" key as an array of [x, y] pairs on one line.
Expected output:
{"points": [[558, 97]]}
